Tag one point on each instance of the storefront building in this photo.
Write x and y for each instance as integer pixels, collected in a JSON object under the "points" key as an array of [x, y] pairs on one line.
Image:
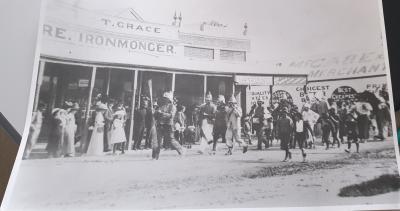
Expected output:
{"points": [[85, 53]]}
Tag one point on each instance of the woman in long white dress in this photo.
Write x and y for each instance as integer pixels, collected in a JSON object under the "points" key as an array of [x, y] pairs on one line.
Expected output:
{"points": [[70, 130], [96, 145], [118, 137]]}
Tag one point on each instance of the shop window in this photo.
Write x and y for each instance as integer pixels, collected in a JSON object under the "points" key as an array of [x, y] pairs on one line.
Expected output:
{"points": [[161, 82], [228, 55], [60, 83], [201, 53]]}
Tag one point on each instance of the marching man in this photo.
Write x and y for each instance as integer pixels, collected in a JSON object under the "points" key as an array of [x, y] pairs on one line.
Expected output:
{"points": [[234, 113], [207, 117], [165, 121], [220, 122]]}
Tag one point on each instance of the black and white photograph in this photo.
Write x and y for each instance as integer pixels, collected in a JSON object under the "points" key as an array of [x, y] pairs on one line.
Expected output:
{"points": [[208, 104]]}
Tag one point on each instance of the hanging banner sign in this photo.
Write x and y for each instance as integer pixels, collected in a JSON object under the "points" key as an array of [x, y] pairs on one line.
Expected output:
{"points": [[337, 90], [288, 80], [253, 80]]}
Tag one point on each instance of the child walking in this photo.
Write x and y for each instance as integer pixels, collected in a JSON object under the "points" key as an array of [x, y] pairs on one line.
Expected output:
{"points": [[352, 131], [118, 137]]}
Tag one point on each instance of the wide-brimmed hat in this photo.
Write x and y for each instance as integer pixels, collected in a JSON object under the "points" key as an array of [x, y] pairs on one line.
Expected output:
{"points": [[75, 106], [120, 112], [307, 105], [169, 95], [232, 99]]}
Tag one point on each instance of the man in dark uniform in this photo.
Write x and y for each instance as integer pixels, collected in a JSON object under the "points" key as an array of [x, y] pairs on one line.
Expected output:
{"points": [[257, 112], [220, 122], [284, 127]]}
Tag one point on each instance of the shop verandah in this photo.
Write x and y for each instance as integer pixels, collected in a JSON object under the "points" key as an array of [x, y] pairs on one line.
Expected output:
{"points": [[60, 81]]}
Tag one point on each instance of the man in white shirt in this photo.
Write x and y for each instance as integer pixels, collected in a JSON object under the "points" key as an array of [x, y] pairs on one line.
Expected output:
{"points": [[309, 119]]}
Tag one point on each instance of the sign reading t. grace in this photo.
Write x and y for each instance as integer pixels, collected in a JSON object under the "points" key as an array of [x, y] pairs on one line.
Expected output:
{"points": [[76, 29]]}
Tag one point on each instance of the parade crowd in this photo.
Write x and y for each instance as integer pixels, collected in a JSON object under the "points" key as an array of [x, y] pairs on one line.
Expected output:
{"points": [[165, 124]]}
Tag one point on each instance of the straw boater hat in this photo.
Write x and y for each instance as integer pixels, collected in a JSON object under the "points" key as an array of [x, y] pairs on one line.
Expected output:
{"points": [[169, 96], [101, 106], [75, 106], [209, 96], [221, 99], [120, 113], [55, 110], [232, 99]]}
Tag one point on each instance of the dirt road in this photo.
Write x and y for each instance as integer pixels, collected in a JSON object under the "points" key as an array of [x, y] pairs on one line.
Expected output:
{"points": [[254, 179]]}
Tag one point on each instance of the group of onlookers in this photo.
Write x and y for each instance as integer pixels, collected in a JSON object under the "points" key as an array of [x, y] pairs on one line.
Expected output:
{"points": [[164, 123]]}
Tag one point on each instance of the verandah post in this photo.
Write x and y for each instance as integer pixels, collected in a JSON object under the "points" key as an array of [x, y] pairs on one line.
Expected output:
{"points": [[84, 141]]}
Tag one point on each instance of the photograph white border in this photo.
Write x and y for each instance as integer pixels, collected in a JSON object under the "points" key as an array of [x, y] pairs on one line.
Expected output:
{"points": [[18, 159]]}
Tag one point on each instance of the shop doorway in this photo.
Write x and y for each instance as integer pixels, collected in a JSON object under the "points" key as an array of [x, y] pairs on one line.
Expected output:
{"points": [[61, 83], [220, 85]]}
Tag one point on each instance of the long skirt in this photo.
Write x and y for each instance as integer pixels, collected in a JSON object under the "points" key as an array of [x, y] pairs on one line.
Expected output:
{"points": [[117, 133], [96, 144], [363, 126], [206, 135], [56, 140], [69, 141]]}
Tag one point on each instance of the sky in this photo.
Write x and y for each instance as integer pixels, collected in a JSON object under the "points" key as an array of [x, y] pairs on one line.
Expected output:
{"points": [[278, 29]]}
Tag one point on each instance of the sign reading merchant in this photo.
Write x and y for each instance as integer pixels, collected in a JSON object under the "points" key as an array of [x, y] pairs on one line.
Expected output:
{"points": [[253, 80], [346, 65]]}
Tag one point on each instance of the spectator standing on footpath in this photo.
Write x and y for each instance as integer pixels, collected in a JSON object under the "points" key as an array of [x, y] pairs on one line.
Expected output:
{"points": [[34, 129], [118, 137], [70, 130], [108, 120], [96, 143], [56, 137]]}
